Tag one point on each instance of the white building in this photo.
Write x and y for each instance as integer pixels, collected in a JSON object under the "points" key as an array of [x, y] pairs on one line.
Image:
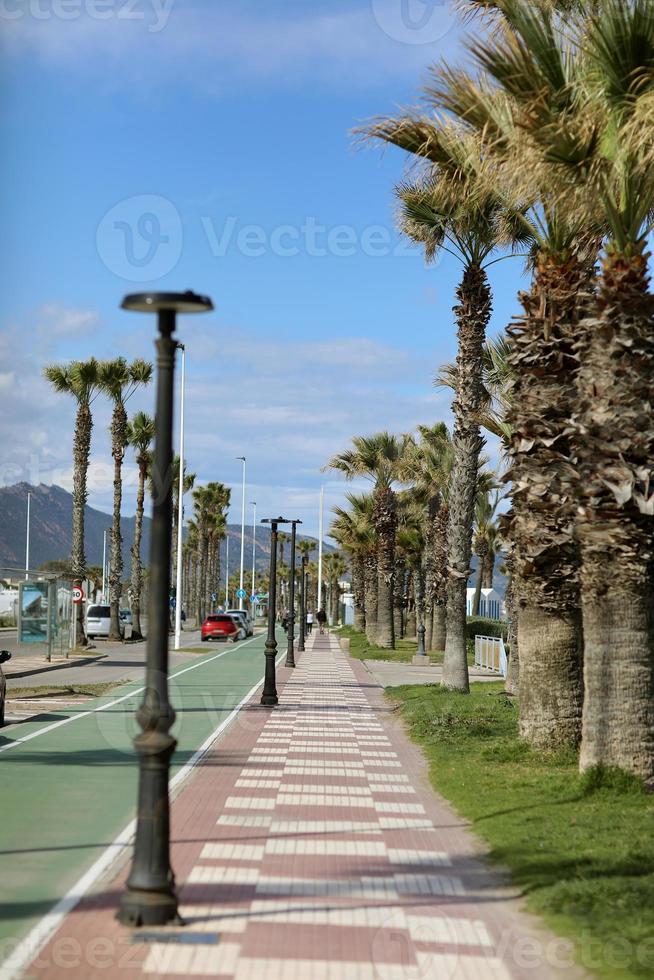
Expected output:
{"points": [[491, 604]]}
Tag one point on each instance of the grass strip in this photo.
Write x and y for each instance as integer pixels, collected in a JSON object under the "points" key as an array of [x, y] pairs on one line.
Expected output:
{"points": [[581, 848]]}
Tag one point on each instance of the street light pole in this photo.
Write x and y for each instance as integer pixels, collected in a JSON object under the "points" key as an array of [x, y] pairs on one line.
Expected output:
{"points": [[104, 564], [227, 573], [240, 585], [320, 535], [150, 895], [269, 696], [253, 602], [180, 506], [303, 604], [290, 653], [27, 536]]}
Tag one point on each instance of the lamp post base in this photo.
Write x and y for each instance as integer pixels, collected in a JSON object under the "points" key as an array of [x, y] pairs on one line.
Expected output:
{"points": [[141, 908]]}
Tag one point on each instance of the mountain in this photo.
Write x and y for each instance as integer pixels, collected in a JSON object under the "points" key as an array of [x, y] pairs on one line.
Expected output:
{"points": [[51, 513]]}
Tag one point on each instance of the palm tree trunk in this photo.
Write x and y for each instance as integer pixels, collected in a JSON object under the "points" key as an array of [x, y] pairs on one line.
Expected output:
{"points": [[429, 625], [472, 314], [512, 680], [118, 443], [477, 597], [544, 362], [439, 586], [371, 597], [137, 567], [488, 570], [201, 577], [385, 521], [358, 590], [438, 627], [615, 433], [398, 597], [81, 454], [411, 615]]}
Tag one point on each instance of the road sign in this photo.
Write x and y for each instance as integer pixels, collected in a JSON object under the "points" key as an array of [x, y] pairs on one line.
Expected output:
{"points": [[214, 596], [78, 595], [241, 593], [261, 595], [253, 598]]}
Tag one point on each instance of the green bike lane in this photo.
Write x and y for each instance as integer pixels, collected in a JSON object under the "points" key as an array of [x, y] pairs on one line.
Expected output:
{"points": [[69, 789]]}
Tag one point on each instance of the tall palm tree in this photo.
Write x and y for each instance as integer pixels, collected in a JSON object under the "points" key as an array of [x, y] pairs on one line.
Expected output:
{"points": [[189, 482], [140, 433], [353, 530], [80, 379], [211, 502], [453, 208], [119, 380], [335, 567], [379, 458]]}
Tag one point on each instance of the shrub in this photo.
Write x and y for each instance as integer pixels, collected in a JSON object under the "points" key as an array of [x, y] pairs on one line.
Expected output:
{"points": [[481, 626]]}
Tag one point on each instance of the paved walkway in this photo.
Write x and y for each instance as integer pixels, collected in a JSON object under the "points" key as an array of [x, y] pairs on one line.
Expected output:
{"points": [[390, 674], [309, 846]]}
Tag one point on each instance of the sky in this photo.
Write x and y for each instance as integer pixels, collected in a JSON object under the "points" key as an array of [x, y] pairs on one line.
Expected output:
{"points": [[205, 144]]}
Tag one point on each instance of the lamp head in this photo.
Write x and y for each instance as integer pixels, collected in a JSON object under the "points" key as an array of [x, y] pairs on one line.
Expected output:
{"points": [[188, 302]]}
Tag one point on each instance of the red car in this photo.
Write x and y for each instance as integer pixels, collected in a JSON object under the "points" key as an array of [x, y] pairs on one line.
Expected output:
{"points": [[220, 626]]}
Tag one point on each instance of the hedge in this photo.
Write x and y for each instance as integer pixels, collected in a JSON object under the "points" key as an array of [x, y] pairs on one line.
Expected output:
{"points": [[482, 626]]}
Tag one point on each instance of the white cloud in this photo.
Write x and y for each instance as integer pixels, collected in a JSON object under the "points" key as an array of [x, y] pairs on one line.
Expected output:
{"points": [[63, 322], [213, 45]]}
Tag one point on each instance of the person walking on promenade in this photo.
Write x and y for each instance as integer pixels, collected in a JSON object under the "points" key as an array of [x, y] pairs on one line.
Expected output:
{"points": [[309, 623], [322, 619]]}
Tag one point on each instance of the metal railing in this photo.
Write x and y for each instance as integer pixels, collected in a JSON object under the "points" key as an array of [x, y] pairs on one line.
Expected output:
{"points": [[490, 654]]}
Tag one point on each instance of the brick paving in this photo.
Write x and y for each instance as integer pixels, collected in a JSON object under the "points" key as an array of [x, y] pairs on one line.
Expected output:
{"points": [[309, 845]]}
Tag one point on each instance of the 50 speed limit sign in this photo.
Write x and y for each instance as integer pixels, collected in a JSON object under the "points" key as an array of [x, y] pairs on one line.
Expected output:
{"points": [[78, 595]]}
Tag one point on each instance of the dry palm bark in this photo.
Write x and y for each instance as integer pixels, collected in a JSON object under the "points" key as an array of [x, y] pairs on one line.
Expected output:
{"points": [[546, 557], [137, 566], [472, 316], [385, 521], [357, 565], [118, 444], [615, 433], [370, 584]]}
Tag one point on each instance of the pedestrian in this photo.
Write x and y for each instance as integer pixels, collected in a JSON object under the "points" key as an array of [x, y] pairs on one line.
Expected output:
{"points": [[322, 619], [309, 622]]}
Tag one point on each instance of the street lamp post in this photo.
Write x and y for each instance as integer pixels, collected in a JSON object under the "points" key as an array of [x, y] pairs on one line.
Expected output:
{"points": [[150, 895], [27, 536], [269, 695], [303, 604], [253, 602], [240, 584], [180, 507], [290, 654]]}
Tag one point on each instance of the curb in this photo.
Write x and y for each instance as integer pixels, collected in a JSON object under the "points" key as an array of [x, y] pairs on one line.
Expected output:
{"points": [[47, 667]]}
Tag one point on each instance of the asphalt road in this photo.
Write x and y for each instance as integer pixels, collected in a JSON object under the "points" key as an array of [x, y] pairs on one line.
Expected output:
{"points": [[69, 778]]}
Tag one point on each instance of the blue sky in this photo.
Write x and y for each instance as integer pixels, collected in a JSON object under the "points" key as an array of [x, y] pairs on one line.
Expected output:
{"points": [[206, 145]]}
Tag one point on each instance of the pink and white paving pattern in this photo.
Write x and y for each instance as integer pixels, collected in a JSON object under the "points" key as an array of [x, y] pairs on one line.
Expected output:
{"points": [[309, 846]]}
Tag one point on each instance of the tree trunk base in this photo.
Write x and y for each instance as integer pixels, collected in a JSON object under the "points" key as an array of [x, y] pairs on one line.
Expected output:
{"points": [[550, 685]]}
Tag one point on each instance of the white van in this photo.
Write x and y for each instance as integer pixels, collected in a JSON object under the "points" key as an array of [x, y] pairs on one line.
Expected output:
{"points": [[244, 617], [98, 622]]}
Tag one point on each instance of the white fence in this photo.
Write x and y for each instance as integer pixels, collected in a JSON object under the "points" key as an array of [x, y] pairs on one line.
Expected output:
{"points": [[490, 654]]}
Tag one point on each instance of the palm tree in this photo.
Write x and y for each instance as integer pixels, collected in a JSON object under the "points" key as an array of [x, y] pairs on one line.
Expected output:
{"points": [[119, 380], [211, 502], [455, 208], [379, 458], [140, 433], [353, 530], [335, 567], [189, 482], [81, 380]]}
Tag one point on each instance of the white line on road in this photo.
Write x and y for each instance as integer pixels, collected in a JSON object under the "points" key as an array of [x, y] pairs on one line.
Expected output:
{"points": [[38, 936], [111, 704]]}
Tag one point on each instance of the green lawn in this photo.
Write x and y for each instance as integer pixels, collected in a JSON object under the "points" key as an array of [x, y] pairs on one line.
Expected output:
{"points": [[404, 651], [581, 848], [62, 690]]}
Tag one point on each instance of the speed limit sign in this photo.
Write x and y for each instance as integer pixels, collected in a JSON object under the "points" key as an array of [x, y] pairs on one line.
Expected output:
{"points": [[78, 595]]}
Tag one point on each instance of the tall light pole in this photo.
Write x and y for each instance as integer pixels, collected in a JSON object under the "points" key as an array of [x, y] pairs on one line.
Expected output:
{"points": [[290, 653], [320, 533], [269, 695], [254, 554], [227, 573], [104, 565], [180, 506], [303, 604], [240, 584], [27, 536], [150, 898]]}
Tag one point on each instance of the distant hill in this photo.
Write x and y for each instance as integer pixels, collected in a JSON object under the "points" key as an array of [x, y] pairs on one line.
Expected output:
{"points": [[51, 527]]}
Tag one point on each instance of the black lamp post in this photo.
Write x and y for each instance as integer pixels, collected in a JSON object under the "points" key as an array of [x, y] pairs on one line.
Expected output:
{"points": [[303, 604], [150, 896], [290, 654], [269, 695]]}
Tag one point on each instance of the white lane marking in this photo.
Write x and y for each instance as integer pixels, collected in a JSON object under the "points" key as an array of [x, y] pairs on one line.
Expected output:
{"points": [[111, 704], [38, 936]]}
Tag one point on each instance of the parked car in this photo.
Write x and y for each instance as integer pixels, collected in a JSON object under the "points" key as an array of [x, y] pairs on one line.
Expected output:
{"points": [[4, 656], [221, 626], [245, 618], [98, 622]]}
